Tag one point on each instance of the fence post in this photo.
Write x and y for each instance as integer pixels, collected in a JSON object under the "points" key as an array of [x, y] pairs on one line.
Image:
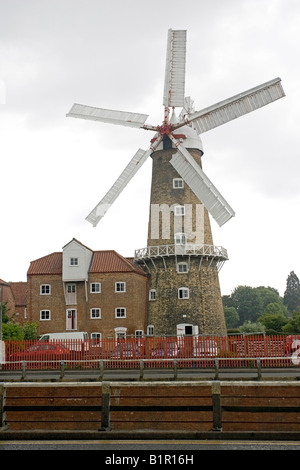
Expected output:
{"points": [[101, 365], [141, 369], [23, 370], [258, 368], [105, 406], [62, 369], [216, 404], [175, 369], [216, 369]]}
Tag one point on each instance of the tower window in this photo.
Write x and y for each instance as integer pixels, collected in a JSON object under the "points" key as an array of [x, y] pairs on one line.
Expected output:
{"points": [[180, 239], [152, 294], [182, 267], [179, 210], [178, 183], [183, 293]]}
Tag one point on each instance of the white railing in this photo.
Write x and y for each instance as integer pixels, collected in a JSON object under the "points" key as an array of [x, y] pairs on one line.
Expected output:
{"points": [[189, 249]]}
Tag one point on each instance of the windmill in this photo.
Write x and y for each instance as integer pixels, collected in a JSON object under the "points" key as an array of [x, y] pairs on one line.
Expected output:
{"points": [[202, 121], [177, 141]]}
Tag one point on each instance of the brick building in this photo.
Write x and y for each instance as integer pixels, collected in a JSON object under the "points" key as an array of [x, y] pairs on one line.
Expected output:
{"points": [[13, 294], [100, 292]]}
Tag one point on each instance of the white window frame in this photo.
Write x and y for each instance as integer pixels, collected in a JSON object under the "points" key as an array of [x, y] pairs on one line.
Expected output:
{"points": [[120, 332], [118, 310], [139, 334], [180, 238], [45, 287], [178, 183], [93, 312], [120, 283], [152, 295], [179, 211], [183, 293], [95, 284], [180, 265], [48, 314], [150, 330], [74, 261], [96, 338]]}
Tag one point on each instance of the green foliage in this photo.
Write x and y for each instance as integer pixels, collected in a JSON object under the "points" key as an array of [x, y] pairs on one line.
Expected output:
{"points": [[258, 308], [12, 331], [249, 327], [232, 318], [273, 321], [30, 331], [293, 324]]}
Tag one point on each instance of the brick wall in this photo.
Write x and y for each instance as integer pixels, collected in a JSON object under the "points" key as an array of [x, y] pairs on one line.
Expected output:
{"points": [[134, 300]]}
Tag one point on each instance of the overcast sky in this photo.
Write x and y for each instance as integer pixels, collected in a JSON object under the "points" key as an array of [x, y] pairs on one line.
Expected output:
{"points": [[111, 54]]}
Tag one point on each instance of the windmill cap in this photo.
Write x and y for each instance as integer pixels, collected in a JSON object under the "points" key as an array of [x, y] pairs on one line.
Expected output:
{"points": [[187, 136]]}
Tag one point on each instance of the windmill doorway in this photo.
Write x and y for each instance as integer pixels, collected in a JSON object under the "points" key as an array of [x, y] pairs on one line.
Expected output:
{"points": [[187, 329]]}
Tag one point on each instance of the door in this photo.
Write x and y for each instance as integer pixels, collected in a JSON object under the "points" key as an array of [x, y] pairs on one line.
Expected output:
{"points": [[71, 323], [71, 297]]}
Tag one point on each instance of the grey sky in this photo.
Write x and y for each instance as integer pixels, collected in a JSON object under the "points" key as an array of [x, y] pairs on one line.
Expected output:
{"points": [[112, 55]]}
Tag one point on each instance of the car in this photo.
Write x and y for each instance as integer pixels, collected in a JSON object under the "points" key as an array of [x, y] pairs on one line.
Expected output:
{"points": [[205, 348], [168, 350], [126, 351], [41, 352]]}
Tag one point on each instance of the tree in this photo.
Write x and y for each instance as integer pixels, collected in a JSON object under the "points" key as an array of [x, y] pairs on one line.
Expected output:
{"points": [[249, 327], [247, 302], [274, 321], [291, 296], [293, 324], [231, 317]]}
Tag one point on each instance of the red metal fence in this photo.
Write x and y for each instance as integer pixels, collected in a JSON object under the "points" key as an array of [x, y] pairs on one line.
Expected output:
{"points": [[232, 351]]}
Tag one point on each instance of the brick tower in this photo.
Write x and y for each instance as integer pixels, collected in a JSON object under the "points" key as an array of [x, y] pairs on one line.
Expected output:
{"points": [[182, 262]]}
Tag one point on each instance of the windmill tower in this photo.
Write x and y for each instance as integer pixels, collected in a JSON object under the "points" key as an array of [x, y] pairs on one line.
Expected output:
{"points": [[180, 257]]}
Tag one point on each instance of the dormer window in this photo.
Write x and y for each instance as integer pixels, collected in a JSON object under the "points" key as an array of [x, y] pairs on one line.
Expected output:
{"points": [[73, 261]]}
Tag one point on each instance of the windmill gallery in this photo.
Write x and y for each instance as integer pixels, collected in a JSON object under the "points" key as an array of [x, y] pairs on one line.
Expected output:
{"points": [[180, 260]]}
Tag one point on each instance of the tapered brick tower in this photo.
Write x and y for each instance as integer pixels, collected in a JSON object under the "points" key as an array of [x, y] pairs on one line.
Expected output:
{"points": [[182, 262]]}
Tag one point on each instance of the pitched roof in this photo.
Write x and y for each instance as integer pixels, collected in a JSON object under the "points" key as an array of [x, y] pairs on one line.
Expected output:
{"points": [[102, 262], [50, 264], [19, 292], [110, 262]]}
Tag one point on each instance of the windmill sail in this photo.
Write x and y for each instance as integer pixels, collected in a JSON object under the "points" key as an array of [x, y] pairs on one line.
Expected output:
{"points": [[236, 106], [110, 116], [201, 186], [127, 174], [131, 169], [175, 69]]}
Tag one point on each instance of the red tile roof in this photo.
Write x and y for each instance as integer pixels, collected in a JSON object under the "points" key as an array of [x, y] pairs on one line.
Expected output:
{"points": [[111, 262], [19, 292], [102, 262], [50, 264]]}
